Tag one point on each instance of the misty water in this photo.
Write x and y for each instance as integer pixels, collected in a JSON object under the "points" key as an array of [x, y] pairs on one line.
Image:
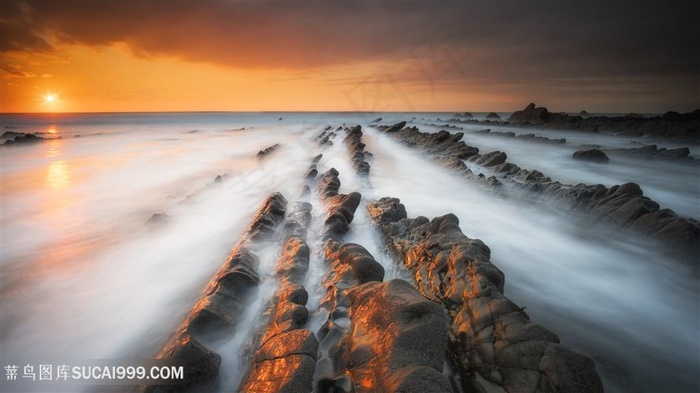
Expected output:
{"points": [[85, 276]]}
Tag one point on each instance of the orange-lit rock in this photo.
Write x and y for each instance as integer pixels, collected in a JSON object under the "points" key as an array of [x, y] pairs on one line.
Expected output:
{"points": [[398, 339], [493, 343], [223, 300]]}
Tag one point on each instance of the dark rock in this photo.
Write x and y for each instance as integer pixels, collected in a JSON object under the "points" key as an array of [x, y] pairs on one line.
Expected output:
{"points": [[377, 120], [671, 125], [593, 155], [267, 151], [396, 127], [490, 159], [530, 115], [493, 116], [23, 139], [201, 367]]}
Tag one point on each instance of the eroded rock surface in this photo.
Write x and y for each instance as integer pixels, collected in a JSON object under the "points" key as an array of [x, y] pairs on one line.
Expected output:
{"points": [[221, 304], [493, 343]]}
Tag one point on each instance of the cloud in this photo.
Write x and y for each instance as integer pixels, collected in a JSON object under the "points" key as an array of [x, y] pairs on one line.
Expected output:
{"points": [[13, 71], [507, 39], [425, 44]]}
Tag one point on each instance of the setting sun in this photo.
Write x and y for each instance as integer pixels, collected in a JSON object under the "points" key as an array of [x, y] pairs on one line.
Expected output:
{"points": [[50, 98]]}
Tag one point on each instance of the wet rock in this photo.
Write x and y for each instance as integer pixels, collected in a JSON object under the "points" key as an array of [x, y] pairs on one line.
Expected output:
{"points": [[493, 116], [490, 159], [493, 343], [679, 239], [377, 120], [298, 220], [584, 114], [294, 261], [396, 127], [527, 137], [398, 340], [268, 217], [654, 152], [201, 367], [593, 155], [267, 151], [225, 297], [353, 141]]}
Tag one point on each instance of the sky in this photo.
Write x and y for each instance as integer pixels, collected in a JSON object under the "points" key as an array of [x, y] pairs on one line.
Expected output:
{"points": [[218, 55]]}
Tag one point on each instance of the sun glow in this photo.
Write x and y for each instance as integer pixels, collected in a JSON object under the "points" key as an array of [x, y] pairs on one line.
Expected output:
{"points": [[50, 98]]}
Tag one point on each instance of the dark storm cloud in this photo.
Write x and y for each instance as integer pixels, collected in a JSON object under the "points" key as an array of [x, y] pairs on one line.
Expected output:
{"points": [[508, 40]]}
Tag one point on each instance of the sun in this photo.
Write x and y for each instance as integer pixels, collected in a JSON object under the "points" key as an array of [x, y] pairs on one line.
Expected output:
{"points": [[50, 98]]}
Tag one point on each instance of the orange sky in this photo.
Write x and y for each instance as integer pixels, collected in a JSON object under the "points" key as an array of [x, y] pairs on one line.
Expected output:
{"points": [[350, 56], [113, 79]]}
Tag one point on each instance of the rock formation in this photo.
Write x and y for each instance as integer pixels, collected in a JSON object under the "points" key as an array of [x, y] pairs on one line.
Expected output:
{"points": [[223, 300], [593, 155], [622, 206], [527, 137], [671, 125], [493, 344], [268, 150]]}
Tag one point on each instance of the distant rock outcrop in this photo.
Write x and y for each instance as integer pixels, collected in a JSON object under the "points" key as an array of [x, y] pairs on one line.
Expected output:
{"points": [[493, 116], [19, 138], [671, 125]]}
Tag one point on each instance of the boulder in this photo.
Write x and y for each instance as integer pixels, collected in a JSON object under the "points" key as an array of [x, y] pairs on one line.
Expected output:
{"points": [[593, 155], [398, 339]]}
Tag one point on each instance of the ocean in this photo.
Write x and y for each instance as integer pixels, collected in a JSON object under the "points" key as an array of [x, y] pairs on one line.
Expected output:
{"points": [[85, 273]]}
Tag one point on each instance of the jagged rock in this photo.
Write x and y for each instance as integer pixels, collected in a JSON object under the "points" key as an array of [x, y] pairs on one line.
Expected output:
{"points": [[267, 151], [678, 236], [531, 115], [493, 116], [396, 127], [492, 341], [593, 155], [353, 141], [490, 159]]}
